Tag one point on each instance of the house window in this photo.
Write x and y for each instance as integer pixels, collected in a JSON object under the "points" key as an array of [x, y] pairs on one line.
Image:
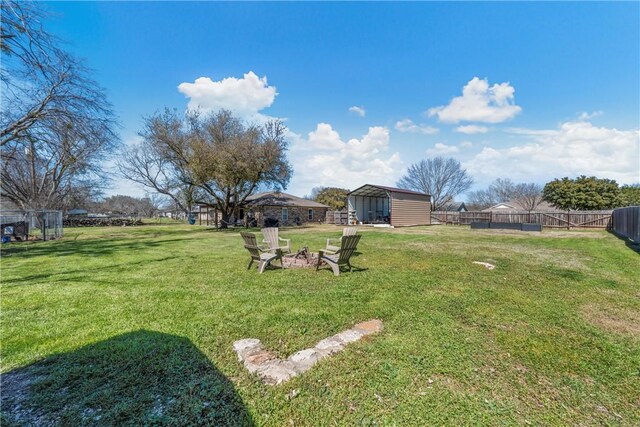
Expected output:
{"points": [[310, 216], [285, 214]]}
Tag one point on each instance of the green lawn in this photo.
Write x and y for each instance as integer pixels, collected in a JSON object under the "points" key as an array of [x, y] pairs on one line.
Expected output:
{"points": [[135, 326]]}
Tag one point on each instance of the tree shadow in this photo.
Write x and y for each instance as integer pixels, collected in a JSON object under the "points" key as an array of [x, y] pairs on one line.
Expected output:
{"points": [[69, 275], [90, 247], [627, 241], [138, 378]]}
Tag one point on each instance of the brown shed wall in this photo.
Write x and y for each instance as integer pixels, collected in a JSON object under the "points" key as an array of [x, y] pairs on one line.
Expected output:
{"points": [[410, 209]]}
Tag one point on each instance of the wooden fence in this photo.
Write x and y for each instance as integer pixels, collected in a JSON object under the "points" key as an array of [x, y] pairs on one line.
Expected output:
{"points": [[337, 217], [573, 219], [626, 222]]}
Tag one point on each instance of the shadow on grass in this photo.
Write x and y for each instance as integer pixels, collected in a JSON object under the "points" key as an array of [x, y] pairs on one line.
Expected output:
{"points": [[138, 378], [70, 275], [630, 243], [90, 247]]}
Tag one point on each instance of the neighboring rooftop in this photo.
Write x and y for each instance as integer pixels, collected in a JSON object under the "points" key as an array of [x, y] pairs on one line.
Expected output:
{"points": [[275, 198], [514, 205]]}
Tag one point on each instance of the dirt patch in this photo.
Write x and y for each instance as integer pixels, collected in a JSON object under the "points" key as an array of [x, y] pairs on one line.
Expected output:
{"points": [[616, 320]]}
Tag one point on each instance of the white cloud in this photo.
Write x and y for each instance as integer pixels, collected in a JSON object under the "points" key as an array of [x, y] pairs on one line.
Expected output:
{"points": [[575, 148], [245, 96], [471, 129], [357, 110], [588, 116], [479, 103], [466, 144], [407, 125], [325, 159], [441, 149]]}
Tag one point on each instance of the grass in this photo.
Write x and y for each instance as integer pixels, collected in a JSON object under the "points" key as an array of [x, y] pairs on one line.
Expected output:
{"points": [[135, 326]]}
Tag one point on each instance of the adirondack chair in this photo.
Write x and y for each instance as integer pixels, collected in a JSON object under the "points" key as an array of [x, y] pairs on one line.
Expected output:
{"points": [[271, 238], [333, 248], [348, 246], [264, 256]]}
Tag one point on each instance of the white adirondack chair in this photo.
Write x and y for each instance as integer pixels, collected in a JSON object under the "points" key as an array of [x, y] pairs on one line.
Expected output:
{"points": [[272, 239], [332, 247]]}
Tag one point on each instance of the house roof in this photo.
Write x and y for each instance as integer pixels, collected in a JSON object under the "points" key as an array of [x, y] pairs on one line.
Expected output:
{"points": [[514, 205], [454, 206], [502, 206], [77, 211], [381, 191], [274, 198]]}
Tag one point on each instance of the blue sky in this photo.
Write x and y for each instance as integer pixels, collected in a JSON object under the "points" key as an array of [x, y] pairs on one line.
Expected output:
{"points": [[552, 89]]}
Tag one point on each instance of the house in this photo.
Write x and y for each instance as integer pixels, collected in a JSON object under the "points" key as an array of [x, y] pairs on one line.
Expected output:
{"points": [[377, 204], [77, 212], [454, 207], [516, 206], [277, 209], [503, 206]]}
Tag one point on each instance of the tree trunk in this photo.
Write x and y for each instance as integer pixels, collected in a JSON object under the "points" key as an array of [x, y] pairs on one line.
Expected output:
{"points": [[224, 223]]}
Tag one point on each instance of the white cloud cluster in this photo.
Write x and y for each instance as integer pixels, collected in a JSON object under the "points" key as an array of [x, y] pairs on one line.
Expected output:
{"points": [[407, 125], [245, 96], [324, 159], [575, 148], [588, 116], [440, 149], [472, 129], [357, 110], [479, 103]]}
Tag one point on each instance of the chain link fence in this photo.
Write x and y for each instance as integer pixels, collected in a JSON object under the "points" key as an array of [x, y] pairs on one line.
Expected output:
{"points": [[31, 225]]}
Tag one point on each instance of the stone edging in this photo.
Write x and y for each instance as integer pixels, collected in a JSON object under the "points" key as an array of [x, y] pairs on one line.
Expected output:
{"points": [[273, 370]]}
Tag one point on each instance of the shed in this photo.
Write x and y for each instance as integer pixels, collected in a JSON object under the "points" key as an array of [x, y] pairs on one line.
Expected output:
{"points": [[377, 204]]}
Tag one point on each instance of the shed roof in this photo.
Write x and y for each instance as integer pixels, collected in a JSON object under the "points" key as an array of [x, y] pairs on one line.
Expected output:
{"points": [[274, 198], [372, 190]]}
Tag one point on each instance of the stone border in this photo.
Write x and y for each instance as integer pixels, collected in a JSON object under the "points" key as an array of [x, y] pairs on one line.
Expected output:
{"points": [[273, 370]]}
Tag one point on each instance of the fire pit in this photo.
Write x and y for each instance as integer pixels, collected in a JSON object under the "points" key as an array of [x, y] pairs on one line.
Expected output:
{"points": [[304, 258]]}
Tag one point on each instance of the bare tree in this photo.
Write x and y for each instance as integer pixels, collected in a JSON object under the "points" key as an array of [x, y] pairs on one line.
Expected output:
{"points": [[216, 156], [480, 199], [503, 190], [147, 165], [528, 195], [442, 178], [56, 126]]}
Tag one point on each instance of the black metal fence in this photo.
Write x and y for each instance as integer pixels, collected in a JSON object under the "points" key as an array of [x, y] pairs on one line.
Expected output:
{"points": [[626, 222]]}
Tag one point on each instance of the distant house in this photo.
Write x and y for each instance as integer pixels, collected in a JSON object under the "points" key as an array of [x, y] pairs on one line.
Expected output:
{"points": [[377, 204], [77, 212], [503, 206], [276, 208], [515, 206]]}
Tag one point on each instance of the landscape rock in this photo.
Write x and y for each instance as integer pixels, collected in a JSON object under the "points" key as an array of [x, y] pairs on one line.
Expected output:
{"points": [[330, 345], [305, 359], [485, 264], [370, 327]]}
